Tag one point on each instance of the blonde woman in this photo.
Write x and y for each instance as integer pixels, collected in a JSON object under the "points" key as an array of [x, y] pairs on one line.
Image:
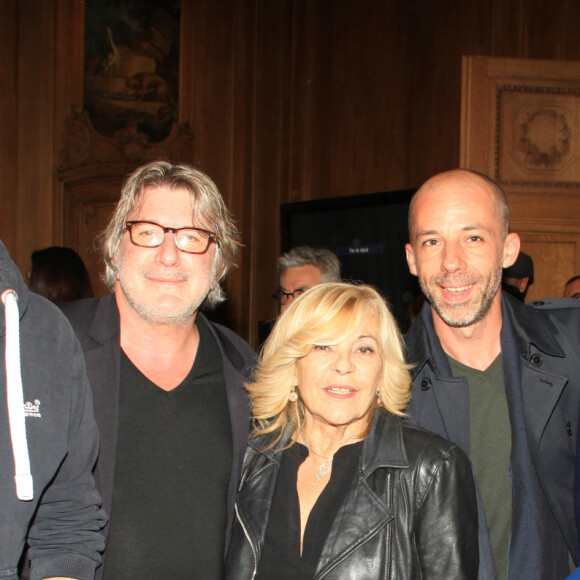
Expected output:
{"points": [[336, 483]]}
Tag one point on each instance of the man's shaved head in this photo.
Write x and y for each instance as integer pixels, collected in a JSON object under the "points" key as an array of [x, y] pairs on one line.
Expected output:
{"points": [[469, 177]]}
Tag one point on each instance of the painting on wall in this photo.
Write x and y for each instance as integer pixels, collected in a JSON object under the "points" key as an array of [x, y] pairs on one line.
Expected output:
{"points": [[131, 76]]}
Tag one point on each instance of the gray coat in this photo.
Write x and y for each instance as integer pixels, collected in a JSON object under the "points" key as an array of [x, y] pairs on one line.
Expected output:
{"points": [[63, 519], [545, 359]]}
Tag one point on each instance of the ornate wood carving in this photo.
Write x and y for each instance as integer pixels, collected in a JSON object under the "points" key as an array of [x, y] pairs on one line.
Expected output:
{"points": [[85, 146], [520, 124], [536, 135]]}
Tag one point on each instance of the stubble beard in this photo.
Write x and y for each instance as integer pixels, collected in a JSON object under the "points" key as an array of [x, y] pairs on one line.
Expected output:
{"points": [[466, 314], [146, 310]]}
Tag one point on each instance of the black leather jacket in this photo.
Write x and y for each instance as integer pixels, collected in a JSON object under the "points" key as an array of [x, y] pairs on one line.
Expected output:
{"points": [[410, 514]]}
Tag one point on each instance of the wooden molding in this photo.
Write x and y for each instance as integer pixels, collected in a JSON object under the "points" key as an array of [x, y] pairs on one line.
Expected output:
{"points": [[85, 146], [520, 124]]}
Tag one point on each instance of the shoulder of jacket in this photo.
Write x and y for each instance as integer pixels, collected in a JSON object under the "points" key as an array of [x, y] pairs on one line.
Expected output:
{"points": [[555, 304], [422, 444], [240, 353], [79, 311]]}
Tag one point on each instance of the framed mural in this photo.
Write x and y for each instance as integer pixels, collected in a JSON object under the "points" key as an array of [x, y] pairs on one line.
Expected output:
{"points": [[131, 72]]}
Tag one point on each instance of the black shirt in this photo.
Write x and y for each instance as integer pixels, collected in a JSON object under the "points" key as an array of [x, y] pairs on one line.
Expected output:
{"points": [[173, 466], [281, 554]]}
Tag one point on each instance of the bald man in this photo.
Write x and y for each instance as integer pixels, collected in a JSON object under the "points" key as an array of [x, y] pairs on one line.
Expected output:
{"points": [[497, 377]]}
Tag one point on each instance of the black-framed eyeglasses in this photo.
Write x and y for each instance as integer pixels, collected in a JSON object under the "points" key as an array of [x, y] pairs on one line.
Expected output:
{"points": [[281, 296], [151, 235]]}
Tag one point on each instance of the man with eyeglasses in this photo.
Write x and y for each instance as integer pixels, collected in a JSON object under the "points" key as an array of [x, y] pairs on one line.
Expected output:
{"points": [[167, 383], [302, 268]]}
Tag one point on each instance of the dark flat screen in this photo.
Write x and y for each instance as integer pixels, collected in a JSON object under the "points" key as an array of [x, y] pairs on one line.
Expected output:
{"points": [[367, 232]]}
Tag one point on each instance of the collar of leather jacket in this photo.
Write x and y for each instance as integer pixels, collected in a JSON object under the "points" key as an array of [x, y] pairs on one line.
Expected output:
{"points": [[383, 446]]}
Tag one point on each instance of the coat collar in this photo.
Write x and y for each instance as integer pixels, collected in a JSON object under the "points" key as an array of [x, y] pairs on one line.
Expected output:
{"points": [[106, 326], [424, 347], [383, 446], [105, 323], [530, 326]]}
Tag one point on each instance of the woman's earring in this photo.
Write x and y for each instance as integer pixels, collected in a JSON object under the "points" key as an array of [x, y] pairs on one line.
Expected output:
{"points": [[379, 400], [293, 396]]}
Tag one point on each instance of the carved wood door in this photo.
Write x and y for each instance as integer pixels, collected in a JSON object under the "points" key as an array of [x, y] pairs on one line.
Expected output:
{"points": [[520, 124]]}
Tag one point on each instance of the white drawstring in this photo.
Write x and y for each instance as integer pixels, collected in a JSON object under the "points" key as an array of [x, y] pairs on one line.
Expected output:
{"points": [[15, 398]]}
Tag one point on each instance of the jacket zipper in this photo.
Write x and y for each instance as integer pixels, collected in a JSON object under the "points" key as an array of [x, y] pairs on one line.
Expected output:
{"points": [[254, 551]]}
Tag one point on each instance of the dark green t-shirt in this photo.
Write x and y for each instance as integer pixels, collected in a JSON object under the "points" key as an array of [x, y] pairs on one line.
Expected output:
{"points": [[490, 448]]}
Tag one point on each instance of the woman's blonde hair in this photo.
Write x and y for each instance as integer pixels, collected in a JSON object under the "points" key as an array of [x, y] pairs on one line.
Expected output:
{"points": [[325, 314]]}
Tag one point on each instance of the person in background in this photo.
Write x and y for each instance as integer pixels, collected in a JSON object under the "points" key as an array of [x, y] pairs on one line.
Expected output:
{"points": [[336, 482], [299, 269], [302, 268], [497, 377], [572, 288], [168, 384], [518, 277], [59, 274], [48, 440]]}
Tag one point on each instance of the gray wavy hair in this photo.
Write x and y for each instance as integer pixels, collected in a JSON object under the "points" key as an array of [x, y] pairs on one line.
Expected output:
{"points": [[209, 211], [322, 258]]}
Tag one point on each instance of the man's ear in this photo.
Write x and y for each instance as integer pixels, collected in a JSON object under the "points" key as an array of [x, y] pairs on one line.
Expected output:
{"points": [[411, 259], [511, 249], [523, 284]]}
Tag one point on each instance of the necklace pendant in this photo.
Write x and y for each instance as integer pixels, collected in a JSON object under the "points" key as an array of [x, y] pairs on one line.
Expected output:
{"points": [[323, 470]]}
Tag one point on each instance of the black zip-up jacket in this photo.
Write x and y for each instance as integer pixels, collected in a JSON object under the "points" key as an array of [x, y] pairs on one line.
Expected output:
{"points": [[410, 514]]}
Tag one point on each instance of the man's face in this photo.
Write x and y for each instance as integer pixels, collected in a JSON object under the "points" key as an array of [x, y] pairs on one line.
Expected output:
{"points": [[299, 278], [164, 285], [457, 249]]}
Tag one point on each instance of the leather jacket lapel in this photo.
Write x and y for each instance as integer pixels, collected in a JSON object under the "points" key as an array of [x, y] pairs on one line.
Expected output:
{"points": [[362, 515], [366, 510]]}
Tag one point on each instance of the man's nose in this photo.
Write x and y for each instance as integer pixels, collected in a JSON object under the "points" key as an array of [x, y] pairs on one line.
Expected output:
{"points": [[453, 258], [168, 252]]}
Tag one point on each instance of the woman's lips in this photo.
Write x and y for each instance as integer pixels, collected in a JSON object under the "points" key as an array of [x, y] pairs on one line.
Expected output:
{"points": [[340, 391]]}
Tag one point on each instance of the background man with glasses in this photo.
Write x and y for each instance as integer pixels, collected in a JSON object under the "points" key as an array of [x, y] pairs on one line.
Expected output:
{"points": [[302, 268], [167, 383], [299, 270]]}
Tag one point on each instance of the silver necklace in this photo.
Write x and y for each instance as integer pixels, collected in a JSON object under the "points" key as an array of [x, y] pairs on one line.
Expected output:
{"points": [[324, 468]]}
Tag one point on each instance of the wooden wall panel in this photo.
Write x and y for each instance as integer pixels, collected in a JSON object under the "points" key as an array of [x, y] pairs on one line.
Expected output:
{"points": [[34, 144], [521, 126], [8, 123], [287, 100], [556, 257], [359, 97]]}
